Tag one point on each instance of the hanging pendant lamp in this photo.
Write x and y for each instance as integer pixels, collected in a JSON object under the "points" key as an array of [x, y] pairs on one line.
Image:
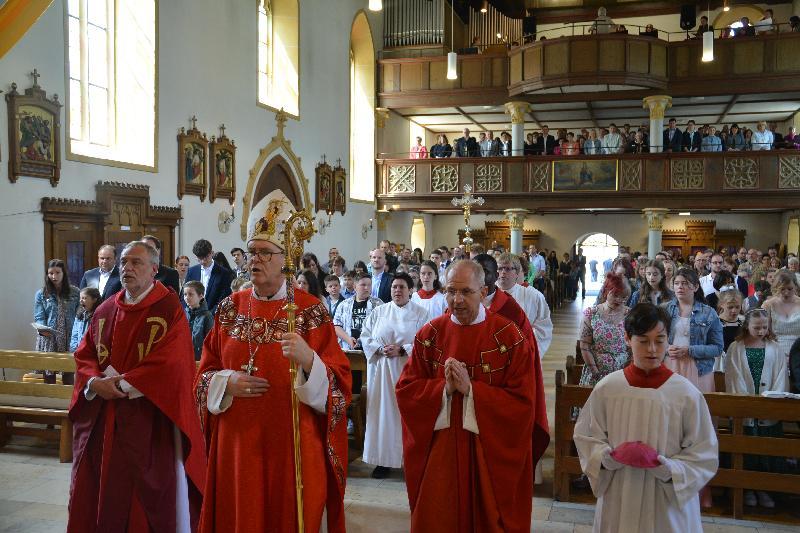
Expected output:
{"points": [[452, 57]]}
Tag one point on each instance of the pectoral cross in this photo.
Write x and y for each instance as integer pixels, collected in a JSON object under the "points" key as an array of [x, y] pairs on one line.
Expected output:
{"points": [[249, 368], [466, 202]]}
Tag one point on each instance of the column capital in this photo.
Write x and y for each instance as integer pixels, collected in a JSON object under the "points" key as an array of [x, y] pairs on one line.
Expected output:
{"points": [[657, 104], [655, 217], [517, 111], [381, 116], [517, 217]]}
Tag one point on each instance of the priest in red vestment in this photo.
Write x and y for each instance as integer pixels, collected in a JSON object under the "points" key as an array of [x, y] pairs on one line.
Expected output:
{"points": [[500, 302], [247, 417], [466, 401], [139, 457]]}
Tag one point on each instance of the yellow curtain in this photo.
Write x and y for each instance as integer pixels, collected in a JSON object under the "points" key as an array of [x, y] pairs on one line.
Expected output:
{"points": [[16, 18]]}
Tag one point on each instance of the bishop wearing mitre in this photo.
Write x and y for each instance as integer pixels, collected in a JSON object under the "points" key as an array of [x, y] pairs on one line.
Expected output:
{"points": [[466, 401], [243, 391]]}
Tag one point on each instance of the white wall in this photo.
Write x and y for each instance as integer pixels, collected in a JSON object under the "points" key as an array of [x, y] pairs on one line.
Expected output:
{"points": [[207, 67], [559, 232]]}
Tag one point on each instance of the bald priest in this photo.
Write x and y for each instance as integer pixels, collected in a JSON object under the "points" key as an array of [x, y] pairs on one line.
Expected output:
{"points": [[466, 401]]}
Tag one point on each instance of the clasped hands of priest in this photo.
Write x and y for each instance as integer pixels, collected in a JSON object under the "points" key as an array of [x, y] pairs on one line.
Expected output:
{"points": [[293, 347], [456, 377], [637, 455]]}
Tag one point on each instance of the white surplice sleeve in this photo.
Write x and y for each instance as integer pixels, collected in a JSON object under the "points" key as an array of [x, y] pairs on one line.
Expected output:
{"points": [[469, 421], [697, 461], [313, 391], [543, 324], [591, 440]]}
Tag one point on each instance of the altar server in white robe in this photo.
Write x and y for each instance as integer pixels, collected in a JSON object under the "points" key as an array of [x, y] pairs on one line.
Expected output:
{"points": [[529, 299], [387, 338], [429, 292], [645, 438]]}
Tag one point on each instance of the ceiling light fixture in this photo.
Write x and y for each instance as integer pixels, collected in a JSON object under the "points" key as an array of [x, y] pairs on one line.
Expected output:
{"points": [[375, 5], [708, 40], [485, 6], [452, 57], [725, 6], [684, 214]]}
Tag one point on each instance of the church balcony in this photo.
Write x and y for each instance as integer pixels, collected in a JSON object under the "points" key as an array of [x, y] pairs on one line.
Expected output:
{"points": [[768, 180], [589, 66]]}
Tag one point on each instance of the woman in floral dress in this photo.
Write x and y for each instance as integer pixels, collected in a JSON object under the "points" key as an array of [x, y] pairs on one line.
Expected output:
{"points": [[602, 339]]}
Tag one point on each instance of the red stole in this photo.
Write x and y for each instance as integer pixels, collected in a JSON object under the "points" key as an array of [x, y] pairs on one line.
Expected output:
{"points": [[504, 305], [456, 480], [250, 481], [123, 475], [427, 295], [639, 378]]}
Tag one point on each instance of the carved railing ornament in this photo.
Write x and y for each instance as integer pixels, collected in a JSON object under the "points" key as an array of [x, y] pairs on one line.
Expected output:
{"points": [[488, 177], [444, 178], [687, 174], [631, 172], [402, 179], [789, 172], [741, 173], [539, 176]]}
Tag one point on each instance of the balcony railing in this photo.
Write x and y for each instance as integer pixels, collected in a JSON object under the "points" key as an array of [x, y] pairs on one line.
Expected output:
{"points": [[718, 180]]}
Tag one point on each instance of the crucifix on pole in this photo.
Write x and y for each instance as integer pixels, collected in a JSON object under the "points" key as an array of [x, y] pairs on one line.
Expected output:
{"points": [[466, 202]]}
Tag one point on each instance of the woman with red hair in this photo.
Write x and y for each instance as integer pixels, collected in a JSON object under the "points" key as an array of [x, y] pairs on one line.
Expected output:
{"points": [[602, 338]]}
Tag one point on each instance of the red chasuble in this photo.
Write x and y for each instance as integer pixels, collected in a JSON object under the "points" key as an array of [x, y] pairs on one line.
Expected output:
{"points": [[459, 481], [504, 305], [124, 473], [250, 484]]}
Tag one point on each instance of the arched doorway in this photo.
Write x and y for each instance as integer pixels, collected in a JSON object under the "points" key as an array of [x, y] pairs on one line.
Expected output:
{"points": [[278, 175], [600, 250]]}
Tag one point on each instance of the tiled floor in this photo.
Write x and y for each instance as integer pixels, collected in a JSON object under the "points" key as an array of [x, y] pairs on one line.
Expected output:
{"points": [[34, 486]]}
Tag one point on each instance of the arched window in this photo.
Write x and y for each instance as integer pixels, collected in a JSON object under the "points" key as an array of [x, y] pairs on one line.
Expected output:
{"points": [[362, 111], [112, 58], [278, 58]]}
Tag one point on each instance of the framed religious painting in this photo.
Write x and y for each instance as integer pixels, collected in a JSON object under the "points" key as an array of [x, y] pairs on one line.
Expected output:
{"points": [[323, 200], [590, 175], [34, 134], [339, 189], [192, 162], [222, 158]]}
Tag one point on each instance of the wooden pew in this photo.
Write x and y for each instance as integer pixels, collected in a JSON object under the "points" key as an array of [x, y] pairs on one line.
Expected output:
{"points": [[574, 371], [733, 441], [24, 402], [358, 404]]}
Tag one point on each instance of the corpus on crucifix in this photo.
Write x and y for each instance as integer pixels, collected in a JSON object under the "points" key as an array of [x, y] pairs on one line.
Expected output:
{"points": [[466, 202]]}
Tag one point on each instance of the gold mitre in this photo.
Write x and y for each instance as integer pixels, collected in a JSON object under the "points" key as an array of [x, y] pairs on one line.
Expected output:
{"points": [[267, 218]]}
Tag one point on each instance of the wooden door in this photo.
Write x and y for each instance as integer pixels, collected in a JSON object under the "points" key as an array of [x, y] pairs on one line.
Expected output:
{"points": [[74, 242]]}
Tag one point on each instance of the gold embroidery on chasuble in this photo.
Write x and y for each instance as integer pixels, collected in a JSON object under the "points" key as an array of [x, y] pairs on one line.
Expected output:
{"points": [[262, 330], [102, 350], [158, 330], [492, 360]]}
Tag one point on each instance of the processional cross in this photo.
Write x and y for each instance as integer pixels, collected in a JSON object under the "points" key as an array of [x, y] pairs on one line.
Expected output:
{"points": [[466, 202]]}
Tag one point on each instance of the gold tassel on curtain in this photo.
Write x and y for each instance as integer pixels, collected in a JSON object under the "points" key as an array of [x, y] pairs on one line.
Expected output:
{"points": [[16, 18]]}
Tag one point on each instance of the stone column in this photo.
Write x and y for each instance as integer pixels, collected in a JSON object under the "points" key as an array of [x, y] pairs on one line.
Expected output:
{"points": [[517, 111], [657, 105], [655, 220], [517, 218]]}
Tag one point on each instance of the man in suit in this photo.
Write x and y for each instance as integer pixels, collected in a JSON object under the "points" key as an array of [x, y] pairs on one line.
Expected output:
{"points": [[166, 275], [467, 146], [381, 280], [691, 138], [215, 278], [580, 260], [104, 278], [546, 143], [672, 139], [391, 259]]}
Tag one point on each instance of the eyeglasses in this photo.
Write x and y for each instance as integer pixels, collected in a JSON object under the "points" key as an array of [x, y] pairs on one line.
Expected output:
{"points": [[262, 255], [465, 293]]}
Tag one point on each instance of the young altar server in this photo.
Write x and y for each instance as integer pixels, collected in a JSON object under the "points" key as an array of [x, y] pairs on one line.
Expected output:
{"points": [[645, 438]]}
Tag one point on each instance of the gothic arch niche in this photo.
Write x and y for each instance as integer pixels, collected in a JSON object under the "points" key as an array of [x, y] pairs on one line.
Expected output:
{"points": [[276, 166], [278, 175]]}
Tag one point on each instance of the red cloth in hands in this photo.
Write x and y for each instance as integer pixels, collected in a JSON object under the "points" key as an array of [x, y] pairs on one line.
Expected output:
{"points": [[636, 454]]}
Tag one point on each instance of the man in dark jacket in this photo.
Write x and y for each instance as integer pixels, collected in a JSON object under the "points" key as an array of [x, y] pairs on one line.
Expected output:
{"points": [[467, 146], [104, 278], [672, 139], [166, 275], [215, 278]]}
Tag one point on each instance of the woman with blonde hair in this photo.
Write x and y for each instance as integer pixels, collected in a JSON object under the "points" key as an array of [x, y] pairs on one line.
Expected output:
{"points": [[784, 308]]}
